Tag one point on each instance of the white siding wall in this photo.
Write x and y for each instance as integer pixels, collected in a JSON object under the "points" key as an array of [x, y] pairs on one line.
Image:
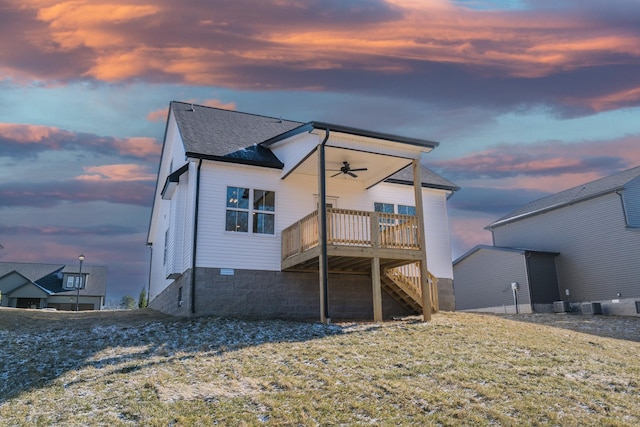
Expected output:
{"points": [[173, 154], [598, 254], [295, 198], [292, 151]]}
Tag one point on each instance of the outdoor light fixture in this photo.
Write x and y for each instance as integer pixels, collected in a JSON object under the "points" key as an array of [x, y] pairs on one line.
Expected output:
{"points": [[79, 282]]}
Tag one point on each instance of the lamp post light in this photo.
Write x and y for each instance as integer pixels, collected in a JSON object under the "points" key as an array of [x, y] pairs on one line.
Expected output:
{"points": [[79, 282]]}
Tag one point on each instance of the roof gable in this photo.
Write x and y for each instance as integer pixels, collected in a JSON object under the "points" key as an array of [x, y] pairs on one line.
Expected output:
{"points": [[582, 192], [218, 134]]}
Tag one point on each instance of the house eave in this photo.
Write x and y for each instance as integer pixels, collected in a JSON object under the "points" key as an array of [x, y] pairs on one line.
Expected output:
{"points": [[424, 185], [550, 208], [225, 159], [376, 135]]}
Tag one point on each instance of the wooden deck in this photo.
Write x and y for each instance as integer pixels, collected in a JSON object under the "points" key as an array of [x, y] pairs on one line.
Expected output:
{"points": [[354, 239]]}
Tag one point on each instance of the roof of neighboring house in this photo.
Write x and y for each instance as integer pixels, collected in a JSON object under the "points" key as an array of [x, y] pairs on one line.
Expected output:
{"points": [[582, 192], [31, 271], [226, 135], [49, 276], [501, 249]]}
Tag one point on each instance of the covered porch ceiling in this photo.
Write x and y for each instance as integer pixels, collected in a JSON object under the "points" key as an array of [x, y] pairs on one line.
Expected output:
{"points": [[358, 159]]}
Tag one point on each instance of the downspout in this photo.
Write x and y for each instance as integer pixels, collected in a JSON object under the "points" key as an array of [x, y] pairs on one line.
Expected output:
{"points": [[323, 220], [150, 246], [195, 241]]}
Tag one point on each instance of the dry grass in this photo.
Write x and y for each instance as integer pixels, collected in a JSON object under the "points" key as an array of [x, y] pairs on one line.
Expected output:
{"points": [[142, 368]]}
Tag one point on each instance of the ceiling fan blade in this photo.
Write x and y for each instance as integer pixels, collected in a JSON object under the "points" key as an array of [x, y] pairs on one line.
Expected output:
{"points": [[352, 174], [359, 169], [334, 175]]}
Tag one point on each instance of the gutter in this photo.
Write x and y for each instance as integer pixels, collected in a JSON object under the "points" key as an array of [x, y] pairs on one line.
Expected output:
{"points": [[195, 241]]}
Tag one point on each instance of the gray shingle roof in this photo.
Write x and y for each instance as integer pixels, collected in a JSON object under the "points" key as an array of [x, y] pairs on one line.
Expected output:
{"points": [[43, 275], [31, 271], [219, 134], [586, 191], [224, 134], [429, 178]]}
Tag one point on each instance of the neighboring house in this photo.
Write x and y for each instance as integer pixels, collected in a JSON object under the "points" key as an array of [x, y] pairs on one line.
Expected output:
{"points": [[27, 285], [484, 278], [595, 231], [239, 202]]}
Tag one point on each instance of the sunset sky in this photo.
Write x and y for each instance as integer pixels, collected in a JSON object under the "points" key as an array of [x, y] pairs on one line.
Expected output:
{"points": [[526, 97]]}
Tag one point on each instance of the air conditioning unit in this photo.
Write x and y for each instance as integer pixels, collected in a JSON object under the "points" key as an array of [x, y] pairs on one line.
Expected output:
{"points": [[561, 307], [591, 308]]}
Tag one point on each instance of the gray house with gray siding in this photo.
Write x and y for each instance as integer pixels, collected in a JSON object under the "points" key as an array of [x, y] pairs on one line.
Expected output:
{"points": [[531, 273], [595, 230]]}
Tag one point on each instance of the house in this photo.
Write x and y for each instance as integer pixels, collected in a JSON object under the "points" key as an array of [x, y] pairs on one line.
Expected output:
{"points": [[261, 216], [592, 231], [505, 280], [30, 285]]}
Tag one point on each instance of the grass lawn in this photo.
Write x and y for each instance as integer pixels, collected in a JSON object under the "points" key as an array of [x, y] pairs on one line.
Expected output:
{"points": [[143, 368]]}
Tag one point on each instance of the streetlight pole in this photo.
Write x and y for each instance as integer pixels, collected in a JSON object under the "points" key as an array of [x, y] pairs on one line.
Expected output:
{"points": [[79, 282]]}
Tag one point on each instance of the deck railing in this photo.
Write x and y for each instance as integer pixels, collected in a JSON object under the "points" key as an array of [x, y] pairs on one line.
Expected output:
{"points": [[352, 228], [409, 276]]}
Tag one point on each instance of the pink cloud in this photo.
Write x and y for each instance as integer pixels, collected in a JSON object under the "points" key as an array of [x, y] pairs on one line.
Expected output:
{"points": [[22, 139], [121, 173], [268, 46], [467, 232], [536, 166], [138, 146]]}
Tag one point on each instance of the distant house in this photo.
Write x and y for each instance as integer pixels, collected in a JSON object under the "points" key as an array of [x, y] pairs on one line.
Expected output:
{"points": [[261, 216], [592, 231], [27, 285], [494, 279]]}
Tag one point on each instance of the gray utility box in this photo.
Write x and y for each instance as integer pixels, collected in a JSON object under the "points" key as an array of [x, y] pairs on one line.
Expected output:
{"points": [[591, 308], [561, 307]]}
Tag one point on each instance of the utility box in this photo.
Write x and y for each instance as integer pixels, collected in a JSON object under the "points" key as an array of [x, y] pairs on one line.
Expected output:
{"points": [[591, 308], [561, 307]]}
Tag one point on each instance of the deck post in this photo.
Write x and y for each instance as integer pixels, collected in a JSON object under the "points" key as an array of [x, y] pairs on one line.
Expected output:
{"points": [[377, 289], [424, 272], [323, 267]]}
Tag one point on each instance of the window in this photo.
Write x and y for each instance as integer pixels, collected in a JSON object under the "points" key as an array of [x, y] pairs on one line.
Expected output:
{"points": [[406, 210], [390, 208], [166, 247], [74, 282], [259, 205]]}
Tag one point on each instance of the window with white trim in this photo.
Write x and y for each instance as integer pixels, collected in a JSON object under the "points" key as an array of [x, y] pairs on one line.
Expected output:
{"points": [[250, 211], [74, 281], [391, 208]]}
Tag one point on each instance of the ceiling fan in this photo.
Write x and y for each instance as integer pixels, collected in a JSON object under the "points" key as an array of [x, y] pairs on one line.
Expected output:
{"points": [[346, 169]]}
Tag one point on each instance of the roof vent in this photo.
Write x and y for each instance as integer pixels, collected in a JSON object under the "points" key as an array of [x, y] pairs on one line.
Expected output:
{"points": [[191, 109]]}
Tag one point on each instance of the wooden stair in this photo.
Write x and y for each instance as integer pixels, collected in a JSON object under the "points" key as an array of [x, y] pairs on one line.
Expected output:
{"points": [[406, 289]]}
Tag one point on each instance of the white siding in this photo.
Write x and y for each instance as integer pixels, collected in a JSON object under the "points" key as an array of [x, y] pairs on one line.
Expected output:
{"points": [[294, 150], [173, 157], [598, 254], [296, 197]]}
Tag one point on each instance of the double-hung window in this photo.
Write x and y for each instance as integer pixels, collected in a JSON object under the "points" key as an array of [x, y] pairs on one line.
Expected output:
{"points": [[250, 210], [74, 281], [391, 208]]}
